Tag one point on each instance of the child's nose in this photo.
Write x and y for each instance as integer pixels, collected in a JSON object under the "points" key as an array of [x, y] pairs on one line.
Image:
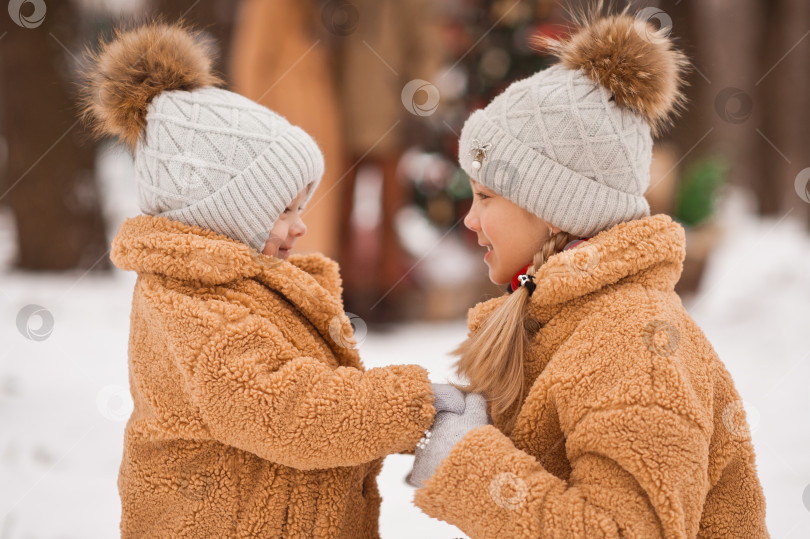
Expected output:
{"points": [[299, 228], [471, 221]]}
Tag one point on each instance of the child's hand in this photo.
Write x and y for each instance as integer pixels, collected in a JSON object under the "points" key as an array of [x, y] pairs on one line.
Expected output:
{"points": [[447, 430]]}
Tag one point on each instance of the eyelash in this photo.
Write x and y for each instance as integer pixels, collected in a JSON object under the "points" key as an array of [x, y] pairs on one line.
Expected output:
{"points": [[481, 196], [288, 210]]}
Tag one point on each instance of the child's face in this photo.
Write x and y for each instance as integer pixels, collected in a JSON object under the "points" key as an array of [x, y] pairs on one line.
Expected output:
{"points": [[287, 229], [511, 234]]}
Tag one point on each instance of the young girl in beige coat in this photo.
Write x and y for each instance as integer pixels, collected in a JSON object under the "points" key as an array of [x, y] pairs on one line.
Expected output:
{"points": [[254, 416], [613, 416]]}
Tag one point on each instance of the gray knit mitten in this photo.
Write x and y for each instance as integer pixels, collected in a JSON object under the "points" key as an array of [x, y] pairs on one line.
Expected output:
{"points": [[448, 398], [447, 430]]}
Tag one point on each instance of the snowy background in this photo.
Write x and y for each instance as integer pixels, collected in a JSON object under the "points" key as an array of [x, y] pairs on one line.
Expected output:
{"points": [[64, 400]]}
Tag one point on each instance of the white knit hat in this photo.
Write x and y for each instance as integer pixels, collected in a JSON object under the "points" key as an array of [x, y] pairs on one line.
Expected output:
{"points": [[203, 156], [215, 159], [573, 143]]}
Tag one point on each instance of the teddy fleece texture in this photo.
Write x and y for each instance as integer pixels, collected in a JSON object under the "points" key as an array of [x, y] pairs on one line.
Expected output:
{"points": [[254, 416], [631, 427]]}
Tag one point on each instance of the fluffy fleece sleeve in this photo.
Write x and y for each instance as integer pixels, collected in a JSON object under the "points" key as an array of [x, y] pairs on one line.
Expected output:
{"points": [[293, 410], [637, 470]]}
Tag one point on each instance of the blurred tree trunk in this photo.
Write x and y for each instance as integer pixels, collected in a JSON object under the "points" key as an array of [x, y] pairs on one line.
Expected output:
{"points": [[215, 17], [785, 80], [693, 123], [749, 89], [49, 180], [721, 41], [292, 71]]}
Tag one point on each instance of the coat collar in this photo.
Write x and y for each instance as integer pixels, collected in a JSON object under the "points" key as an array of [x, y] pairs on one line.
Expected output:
{"points": [[649, 250], [156, 245], [148, 244], [514, 283]]}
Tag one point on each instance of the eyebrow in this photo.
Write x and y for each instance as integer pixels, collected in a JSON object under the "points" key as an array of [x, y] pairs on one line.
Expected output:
{"points": [[479, 187]]}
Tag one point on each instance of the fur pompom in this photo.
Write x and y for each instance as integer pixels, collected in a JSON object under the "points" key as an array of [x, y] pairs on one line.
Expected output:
{"points": [[635, 62], [123, 77]]}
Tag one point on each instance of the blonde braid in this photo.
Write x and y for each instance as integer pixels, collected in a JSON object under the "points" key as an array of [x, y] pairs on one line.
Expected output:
{"points": [[553, 245], [492, 357]]}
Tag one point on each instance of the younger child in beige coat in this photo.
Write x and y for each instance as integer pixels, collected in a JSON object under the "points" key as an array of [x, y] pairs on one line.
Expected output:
{"points": [[254, 416]]}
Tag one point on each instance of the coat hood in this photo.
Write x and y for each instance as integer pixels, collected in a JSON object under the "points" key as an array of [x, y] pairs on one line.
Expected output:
{"points": [[649, 251], [156, 245]]}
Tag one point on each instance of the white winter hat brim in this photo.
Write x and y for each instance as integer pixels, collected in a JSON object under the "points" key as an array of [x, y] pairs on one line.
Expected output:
{"points": [[247, 207], [575, 203]]}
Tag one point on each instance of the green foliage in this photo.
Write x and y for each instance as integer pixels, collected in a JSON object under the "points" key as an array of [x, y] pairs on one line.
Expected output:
{"points": [[696, 193]]}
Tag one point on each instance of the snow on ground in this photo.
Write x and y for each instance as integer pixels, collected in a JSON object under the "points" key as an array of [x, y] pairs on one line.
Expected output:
{"points": [[64, 399]]}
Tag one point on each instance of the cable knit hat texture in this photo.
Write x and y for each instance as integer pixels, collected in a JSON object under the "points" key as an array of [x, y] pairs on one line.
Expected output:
{"points": [[573, 143], [204, 156]]}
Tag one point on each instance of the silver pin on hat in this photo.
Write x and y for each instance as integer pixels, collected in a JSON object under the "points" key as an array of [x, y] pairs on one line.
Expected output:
{"points": [[478, 152]]}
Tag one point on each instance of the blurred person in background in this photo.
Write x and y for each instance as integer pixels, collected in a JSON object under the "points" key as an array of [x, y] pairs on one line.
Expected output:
{"points": [[338, 69]]}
